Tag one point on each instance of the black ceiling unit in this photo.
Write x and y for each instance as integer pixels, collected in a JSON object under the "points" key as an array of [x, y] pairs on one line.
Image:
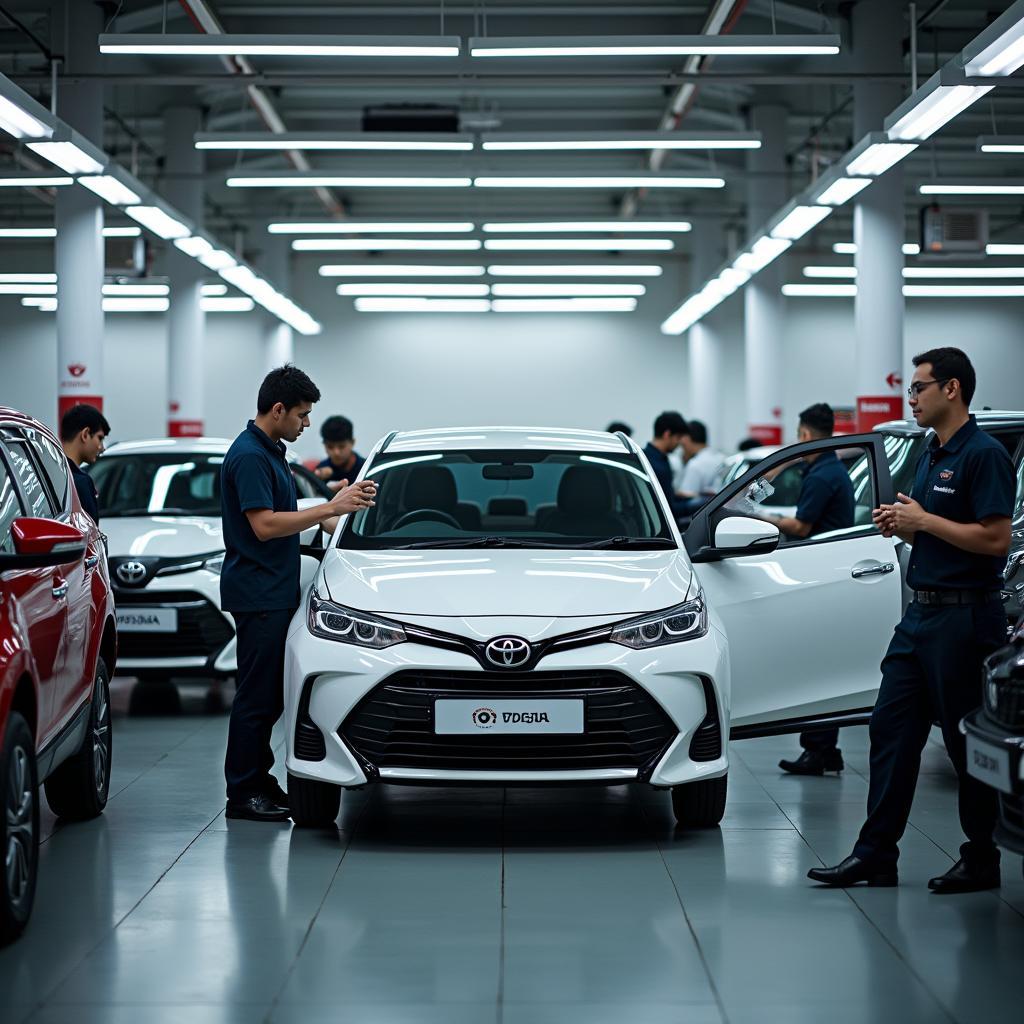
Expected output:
{"points": [[411, 117]]}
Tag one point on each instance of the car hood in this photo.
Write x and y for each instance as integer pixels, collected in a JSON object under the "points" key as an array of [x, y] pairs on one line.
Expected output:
{"points": [[479, 582], [163, 536]]}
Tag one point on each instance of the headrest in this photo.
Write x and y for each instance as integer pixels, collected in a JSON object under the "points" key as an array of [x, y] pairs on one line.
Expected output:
{"points": [[507, 507], [430, 487], [584, 491]]}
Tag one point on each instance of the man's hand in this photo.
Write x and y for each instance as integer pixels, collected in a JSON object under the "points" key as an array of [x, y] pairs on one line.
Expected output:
{"points": [[908, 516], [883, 519], [351, 498], [324, 472]]}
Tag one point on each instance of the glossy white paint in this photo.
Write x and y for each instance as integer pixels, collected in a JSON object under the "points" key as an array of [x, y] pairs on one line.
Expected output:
{"points": [[740, 533]]}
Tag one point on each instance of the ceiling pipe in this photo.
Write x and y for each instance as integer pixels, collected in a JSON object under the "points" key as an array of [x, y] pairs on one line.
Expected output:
{"points": [[202, 16]]}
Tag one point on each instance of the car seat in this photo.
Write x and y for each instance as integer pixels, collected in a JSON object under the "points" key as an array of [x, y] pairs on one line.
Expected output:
{"points": [[434, 487], [585, 507]]}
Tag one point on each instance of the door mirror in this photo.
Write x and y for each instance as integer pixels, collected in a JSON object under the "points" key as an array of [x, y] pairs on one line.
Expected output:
{"points": [[741, 534], [42, 543]]}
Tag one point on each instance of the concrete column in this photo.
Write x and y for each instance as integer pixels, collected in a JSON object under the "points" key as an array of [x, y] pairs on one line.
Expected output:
{"points": [[278, 337], [704, 350], [186, 321], [78, 250], [764, 307], [878, 27]]}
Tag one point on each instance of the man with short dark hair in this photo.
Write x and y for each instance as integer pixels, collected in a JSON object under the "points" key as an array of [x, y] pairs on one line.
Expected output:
{"points": [[701, 465], [825, 503], [83, 431], [343, 462], [669, 429], [958, 523], [259, 582], [618, 427]]}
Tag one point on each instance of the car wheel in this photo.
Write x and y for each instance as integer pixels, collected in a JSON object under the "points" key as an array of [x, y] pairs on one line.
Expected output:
{"points": [[19, 827], [78, 789], [700, 804], [314, 804]]}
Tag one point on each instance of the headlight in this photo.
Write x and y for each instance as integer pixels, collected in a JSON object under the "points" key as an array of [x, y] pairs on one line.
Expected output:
{"points": [[331, 621], [684, 622], [212, 563]]}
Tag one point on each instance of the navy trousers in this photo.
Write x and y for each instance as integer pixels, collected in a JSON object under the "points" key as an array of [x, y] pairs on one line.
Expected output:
{"points": [[932, 670], [259, 701]]}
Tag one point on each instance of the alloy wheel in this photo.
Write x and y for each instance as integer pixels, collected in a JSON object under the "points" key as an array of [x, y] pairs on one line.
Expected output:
{"points": [[20, 827], [101, 738]]}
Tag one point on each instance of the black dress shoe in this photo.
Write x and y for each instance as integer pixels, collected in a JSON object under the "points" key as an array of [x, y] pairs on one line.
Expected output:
{"points": [[276, 793], [966, 877], [257, 808], [815, 762], [854, 870]]}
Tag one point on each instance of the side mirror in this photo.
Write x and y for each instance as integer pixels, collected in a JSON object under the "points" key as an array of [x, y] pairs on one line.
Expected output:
{"points": [[43, 543], [741, 534]]}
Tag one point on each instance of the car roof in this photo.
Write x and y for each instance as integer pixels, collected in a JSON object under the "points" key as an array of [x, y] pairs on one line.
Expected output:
{"points": [[757, 454], [515, 438], [177, 445], [988, 419]]}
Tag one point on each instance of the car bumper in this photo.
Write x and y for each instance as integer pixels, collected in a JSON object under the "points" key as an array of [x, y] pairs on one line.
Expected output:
{"points": [[982, 730], [330, 689]]}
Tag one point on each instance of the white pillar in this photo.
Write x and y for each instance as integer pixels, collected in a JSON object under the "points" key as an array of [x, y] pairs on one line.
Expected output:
{"points": [[78, 250], [704, 348], [878, 223], [186, 321], [278, 338], [763, 302]]}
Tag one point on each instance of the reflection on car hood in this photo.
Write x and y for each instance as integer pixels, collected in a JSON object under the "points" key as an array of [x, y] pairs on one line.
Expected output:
{"points": [[479, 582], [163, 536]]}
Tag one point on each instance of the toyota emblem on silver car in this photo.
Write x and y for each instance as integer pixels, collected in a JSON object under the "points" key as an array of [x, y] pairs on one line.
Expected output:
{"points": [[508, 651], [131, 573]]}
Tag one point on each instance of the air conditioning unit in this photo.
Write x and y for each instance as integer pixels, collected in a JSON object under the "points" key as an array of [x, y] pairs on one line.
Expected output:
{"points": [[953, 231], [411, 117]]}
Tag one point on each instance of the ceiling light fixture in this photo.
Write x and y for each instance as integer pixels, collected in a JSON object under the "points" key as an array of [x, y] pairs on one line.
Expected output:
{"points": [[310, 179], [574, 270], [570, 226], [28, 289], [396, 305], [385, 244], [67, 156], [399, 270], [28, 278], [1004, 249], [194, 246], [136, 305], [823, 291], [799, 220], [35, 181], [424, 290], [232, 45], [233, 304], [217, 260], [841, 190], [28, 232], [971, 189], [1000, 143], [850, 248], [136, 289], [130, 231], [999, 50], [597, 141], [580, 244], [963, 291], [935, 104], [355, 227], [837, 272], [878, 158], [597, 181], [563, 305], [18, 121], [760, 254], [653, 46], [107, 187], [308, 141], [154, 219], [568, 290]]}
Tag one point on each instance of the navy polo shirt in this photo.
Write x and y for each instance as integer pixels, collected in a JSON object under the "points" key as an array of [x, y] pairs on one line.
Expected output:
{"points": [[258, 575], [663, 471], [86, 491], [337, 473], [966, 480], [826, 495]]}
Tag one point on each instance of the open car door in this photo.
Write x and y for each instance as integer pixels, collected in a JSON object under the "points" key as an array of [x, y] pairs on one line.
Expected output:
{"points": [[808, 620]]}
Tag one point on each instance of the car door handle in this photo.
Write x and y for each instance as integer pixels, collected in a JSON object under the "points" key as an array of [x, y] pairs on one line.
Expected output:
{"points": [[60, 590], [875, 570]]}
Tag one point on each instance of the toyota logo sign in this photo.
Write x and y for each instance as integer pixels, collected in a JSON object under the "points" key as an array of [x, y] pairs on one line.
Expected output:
{"points": [[508, 652], [131, 573]]}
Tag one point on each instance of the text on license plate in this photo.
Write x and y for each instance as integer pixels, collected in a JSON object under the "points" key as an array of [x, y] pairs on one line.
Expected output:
{"points": [[989, 763], [480, 715], [147, 620]]}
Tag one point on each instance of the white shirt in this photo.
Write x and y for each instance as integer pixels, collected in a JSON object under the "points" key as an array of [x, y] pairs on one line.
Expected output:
{"points": [[700, 472]]}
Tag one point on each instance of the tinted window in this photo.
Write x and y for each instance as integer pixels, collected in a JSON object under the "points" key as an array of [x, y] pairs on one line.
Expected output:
{"points": [[54, 462], [10, 509], [1018, 508], [32, 487], [164, 484]]}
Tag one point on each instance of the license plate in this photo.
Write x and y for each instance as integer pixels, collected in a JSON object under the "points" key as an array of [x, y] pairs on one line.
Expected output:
{"points": [[483, 716], [147, 620], [989, 763]]}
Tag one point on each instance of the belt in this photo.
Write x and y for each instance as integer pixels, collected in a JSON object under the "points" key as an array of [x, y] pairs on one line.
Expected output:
{"points": [[956, 596]]}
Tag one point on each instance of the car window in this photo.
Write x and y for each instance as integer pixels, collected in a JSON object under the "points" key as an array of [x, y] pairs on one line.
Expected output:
{"points": [[36, 496], [305, 483], [54, 463], [1018, 508], [10, 509], [901, 453], [185, 483]]}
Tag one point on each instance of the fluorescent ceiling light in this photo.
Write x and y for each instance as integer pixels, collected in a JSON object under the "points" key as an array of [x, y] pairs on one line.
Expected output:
{"points": [[982, 271], [568, 290], [28, 232], [214, 289], [28, 278], [543, 141], [194, 246], [28, 289], [824, 291], [849, 272], [878, 158], [300, 141], [563, 305], [35, 181], [574, 270], [395, 305], [799, 221], [652, 46], [232, 45], [354, 227], [424, 290], [19, 123], [692, 310], [136, 289], [1004, 249], [217, 260], [963, 291], [234, 304], [122, 232], [305, 179], [919, 119], [977, 189], [385, 244], [67, 156], [1000, 144], [43, 305], [399, 270], [136, 305], [760, 254], [107, 187], [999, 50], [580, 244], [849, 248], [160, 223], [841, 190], [597, 181], [569, 226]]}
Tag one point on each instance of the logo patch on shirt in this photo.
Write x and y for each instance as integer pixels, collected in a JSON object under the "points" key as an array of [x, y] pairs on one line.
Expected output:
{"points": [[944, 490], [946, 474]]}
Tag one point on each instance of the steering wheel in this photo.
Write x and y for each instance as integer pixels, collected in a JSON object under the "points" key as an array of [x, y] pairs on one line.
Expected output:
{"points": [[418, 515]]}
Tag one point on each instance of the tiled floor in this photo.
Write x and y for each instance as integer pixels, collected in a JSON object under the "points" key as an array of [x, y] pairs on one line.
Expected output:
{"points": [[484, 906]]}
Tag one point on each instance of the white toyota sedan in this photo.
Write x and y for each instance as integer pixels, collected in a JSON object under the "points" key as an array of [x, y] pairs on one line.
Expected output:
{"points": [[519, 608]]}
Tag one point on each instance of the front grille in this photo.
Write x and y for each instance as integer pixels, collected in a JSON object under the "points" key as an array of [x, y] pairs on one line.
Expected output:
{"points": [[393, 726], [1004, 703], [202, 629]]}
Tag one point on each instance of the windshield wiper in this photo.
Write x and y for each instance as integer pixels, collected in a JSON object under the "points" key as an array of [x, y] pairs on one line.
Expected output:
{"points": [[629, 542], [470, 542]]}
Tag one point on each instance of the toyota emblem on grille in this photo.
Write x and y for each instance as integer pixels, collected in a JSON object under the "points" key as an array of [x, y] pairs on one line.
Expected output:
{"points": [[131, 573], [508, 652]]}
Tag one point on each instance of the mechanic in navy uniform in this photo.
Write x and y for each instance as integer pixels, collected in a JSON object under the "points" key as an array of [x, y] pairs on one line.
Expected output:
{"points": [[259, 583], [958, 521], [343, 462], [825, 503], [83, 433], [669, 431]]}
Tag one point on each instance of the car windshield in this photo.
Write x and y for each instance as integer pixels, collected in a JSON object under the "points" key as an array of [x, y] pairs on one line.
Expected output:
{"points": [[509, 498], [186, 483], [1018, 508]]}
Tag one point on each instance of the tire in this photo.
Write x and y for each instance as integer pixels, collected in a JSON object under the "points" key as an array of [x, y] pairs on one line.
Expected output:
{"points": [[700, 804], [78, 789], [314, 804], [19, 827]]}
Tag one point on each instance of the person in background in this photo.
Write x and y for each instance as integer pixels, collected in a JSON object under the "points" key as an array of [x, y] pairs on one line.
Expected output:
{"points": [[618, 427], [343, 462], [669, 430], [747, 443], [701, 466], [83, 431]]}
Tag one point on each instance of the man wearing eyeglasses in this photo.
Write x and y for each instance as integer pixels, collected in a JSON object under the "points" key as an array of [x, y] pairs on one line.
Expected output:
{"points": [[958, 523]]}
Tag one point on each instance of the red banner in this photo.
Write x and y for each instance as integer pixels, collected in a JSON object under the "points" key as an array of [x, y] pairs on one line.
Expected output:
{"points": [[184, 428], [875, 409], [65, 402], [766, 433]]}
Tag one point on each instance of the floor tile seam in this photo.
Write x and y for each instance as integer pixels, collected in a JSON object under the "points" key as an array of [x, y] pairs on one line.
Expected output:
{"points": [[499, 1015]]}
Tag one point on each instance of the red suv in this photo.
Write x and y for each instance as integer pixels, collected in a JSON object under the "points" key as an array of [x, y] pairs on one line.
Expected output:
{"points": [[57, 648]]}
